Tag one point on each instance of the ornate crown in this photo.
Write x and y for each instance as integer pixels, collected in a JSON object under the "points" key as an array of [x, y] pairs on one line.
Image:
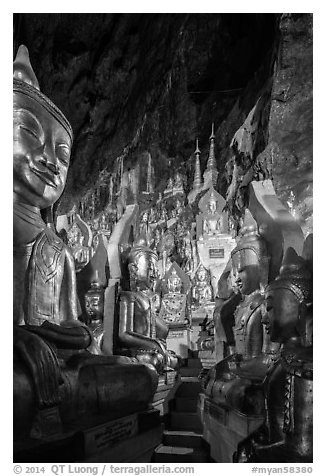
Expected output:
{"points": [[25, 82]]}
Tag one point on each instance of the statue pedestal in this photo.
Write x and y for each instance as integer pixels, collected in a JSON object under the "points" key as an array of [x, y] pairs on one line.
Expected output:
{"points": [[214, 254], [178, 340], [166, 389], [224, 428], [129, 439]]}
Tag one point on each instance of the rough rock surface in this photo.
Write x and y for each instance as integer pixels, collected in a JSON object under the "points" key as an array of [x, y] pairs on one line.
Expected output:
{"points": [[137, 83]]}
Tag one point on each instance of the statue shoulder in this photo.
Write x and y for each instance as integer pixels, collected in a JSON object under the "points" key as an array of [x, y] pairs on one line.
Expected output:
{"points": [[257, 301]]}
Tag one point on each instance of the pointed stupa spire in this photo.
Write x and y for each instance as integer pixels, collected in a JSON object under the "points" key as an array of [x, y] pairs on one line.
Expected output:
{"points": [[211, 173], [211, 163], [149, 184], [197, 177]]}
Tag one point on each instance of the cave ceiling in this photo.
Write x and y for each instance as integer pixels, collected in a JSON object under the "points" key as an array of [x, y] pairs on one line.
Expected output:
{"points": [[131, 83]]}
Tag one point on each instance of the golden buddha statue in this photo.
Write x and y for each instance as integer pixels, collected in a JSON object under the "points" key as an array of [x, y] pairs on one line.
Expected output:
{"points": [[174, 302], [174, 282], [55, 369], [250, 265], [202, 292], [94, 305], [142, 334], [212, 220], [286, 435], [235, 385], [81, 253]]}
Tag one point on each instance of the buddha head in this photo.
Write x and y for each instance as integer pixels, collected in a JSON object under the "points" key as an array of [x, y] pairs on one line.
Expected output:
{"points": [[202, 275], [287, 299], [211, 206], [42, 139], [94, 302], [74, 235], [142, 266], [250, 261]]}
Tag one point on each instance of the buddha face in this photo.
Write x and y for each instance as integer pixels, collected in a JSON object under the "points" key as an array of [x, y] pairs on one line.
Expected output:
{"points": [[42, 149], [246, 270], [201, 275], [175, 284], [144, 271], [212, 206], [281, 314], [94, 305]]}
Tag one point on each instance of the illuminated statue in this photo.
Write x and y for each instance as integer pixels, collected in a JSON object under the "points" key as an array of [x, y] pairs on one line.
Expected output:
{"points": [[211, 225], [202, 291], [174, 282], [55, 370]]}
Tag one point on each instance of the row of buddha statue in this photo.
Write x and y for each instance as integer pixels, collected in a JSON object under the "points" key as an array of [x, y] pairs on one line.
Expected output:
{"points": [[262, 389]]}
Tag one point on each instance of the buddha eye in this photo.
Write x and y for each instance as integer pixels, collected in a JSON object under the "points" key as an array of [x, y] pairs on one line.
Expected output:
{"points": [[30, 132], [63, 153]]}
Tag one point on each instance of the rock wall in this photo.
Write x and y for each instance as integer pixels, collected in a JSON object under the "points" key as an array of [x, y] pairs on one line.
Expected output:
{"points": [[275, 139], [133, 84]]}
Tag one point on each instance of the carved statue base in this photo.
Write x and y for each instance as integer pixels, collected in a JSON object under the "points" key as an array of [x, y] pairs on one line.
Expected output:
{"points": [[92, 390], [233, 403]]}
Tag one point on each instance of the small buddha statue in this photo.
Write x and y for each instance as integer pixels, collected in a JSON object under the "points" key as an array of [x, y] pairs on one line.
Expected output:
{"points": [[212, 220], [60, 383], [144, 228], [142, 334], [174, 282], [94, 305], [286, 435], [178, 182], [250, 265], [202, 292], [178, 208], [170, 184]]}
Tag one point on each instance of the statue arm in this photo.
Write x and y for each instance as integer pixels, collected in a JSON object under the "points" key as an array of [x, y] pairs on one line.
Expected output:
{"points": [[127, 335], [68, 295]]}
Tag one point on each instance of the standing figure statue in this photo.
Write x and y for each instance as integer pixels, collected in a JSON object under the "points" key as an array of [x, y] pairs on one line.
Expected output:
{"points": [[286, 435], [59, 384]]}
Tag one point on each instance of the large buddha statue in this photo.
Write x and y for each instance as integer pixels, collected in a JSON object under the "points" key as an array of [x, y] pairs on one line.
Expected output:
{"points": [[235, 385], [58, 379], [142, 334], [286, 435]]}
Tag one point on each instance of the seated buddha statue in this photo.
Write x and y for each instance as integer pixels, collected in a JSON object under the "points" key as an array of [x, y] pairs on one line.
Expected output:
{"points": [[286, 435], [60, 384], [142, 334], [174, 308], [202, 292], [236, 382], [94, 306], [212, 220]]}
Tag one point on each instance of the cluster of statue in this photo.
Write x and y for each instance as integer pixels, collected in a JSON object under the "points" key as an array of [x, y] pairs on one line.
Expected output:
{"points": [[59, 357], [62, 379], [267, 376]]}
